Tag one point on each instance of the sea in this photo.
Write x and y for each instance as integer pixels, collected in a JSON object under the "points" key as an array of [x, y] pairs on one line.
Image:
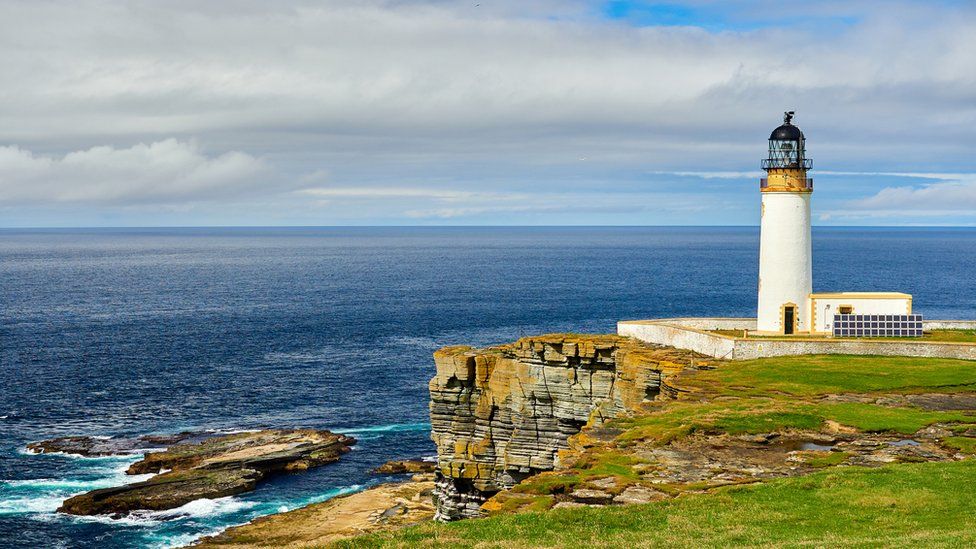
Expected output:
{"points": [[119, 332]]}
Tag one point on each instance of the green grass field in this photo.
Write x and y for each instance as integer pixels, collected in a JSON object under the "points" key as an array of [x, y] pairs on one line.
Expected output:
{"points": [[815, 375], [927, 504]]}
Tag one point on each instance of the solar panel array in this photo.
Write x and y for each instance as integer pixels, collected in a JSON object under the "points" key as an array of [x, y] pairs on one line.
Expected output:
{"points": [[877, 325]]}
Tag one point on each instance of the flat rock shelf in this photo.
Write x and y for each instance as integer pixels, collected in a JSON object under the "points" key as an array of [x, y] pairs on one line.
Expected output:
{"points": [[211, 468]]}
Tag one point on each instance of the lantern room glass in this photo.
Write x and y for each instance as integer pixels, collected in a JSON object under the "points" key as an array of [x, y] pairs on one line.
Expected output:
{"points": [[787, 153]]}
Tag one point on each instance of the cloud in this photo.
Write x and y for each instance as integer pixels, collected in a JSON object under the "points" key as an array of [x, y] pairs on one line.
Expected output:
{"points": [[715, 175], [460, 98], [163, 172], [954, 195], [439, 69], [436, 203], [447, 195]]}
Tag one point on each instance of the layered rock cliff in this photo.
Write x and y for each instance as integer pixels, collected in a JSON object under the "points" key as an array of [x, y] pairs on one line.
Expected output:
{"points": [[502, 414]]}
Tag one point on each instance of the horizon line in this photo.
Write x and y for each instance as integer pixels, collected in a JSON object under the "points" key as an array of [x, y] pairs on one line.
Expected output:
{"points": [[132, 227]]}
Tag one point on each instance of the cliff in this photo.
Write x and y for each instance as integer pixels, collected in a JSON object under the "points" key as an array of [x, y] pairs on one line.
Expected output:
{"points": [[503, 414]]}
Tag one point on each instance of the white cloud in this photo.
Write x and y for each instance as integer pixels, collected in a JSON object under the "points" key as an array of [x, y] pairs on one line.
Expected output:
{"points": [[447, 195], [368, 100], [163, 172], [948, 196], [437, 69], [715, 175]]}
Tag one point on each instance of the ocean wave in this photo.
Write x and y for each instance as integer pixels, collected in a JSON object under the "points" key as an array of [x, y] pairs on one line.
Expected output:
{"points": [[390, 428], [319, 498], [298, 357], [414, 341], [200, 508], [26, 505], [179, 540], [231, 431], [45, 495], [48, 484], [131, 520], [214, 509], [130, 456]]}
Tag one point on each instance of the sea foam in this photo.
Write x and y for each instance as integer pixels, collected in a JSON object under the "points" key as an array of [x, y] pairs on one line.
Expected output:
{"points": [[45, 495], [391, 428]]}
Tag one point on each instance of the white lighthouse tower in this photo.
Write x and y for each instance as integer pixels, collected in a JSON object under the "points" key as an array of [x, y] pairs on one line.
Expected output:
{"points": [[785, 254]]}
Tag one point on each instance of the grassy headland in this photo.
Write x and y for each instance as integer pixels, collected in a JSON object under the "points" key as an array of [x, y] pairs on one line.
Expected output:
{"points": [[897, 505], [865, 491]]}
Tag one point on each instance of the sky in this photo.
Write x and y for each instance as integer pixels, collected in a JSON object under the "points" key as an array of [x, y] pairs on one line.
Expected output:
{"points": [[508, 112]]}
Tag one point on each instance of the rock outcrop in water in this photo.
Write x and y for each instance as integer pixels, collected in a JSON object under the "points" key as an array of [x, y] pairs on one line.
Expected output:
{"points": [[216, 467], [502, 414], [88, 446]]}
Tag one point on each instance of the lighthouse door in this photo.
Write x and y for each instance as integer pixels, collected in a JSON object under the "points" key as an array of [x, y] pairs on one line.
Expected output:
{"points": [[789, 318]]}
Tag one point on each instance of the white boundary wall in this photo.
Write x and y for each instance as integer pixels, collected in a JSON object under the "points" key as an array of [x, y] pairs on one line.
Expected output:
{"points": [[949, 325], [692, 334]]}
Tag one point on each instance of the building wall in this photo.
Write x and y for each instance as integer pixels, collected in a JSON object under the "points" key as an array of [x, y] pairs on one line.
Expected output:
{"points": [[681, 337], [746, 349], [824, 308], [679, 333], [785, 259], [711, 323]]}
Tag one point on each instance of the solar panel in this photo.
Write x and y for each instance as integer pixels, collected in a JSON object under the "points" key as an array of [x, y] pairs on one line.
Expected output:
{"points": [[877, 325]]}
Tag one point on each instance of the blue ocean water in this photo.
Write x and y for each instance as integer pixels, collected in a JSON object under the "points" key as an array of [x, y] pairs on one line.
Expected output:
{"points": [[132, 331]]}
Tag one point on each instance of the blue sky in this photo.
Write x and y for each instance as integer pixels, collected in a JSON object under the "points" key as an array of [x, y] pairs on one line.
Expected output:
{"points": [[730, 16], [414, 112]]}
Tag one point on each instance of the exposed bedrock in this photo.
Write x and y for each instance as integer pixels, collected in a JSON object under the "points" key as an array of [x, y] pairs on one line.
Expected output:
{"points": [[501, 414], [90, 446], [212, 468]]}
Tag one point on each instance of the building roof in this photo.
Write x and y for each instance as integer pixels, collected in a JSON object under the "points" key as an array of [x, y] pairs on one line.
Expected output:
{"points": [[862, 295]]}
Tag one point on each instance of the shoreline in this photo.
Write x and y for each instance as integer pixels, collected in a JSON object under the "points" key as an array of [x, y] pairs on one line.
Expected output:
{"points": [[382, 507]]}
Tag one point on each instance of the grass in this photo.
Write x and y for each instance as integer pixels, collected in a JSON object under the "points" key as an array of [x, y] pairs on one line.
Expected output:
{"points": [[899, 505], [956, 336], [759, 415], [963, 444], [828, 460], [815, 375], [939, 336], [869, 417]]}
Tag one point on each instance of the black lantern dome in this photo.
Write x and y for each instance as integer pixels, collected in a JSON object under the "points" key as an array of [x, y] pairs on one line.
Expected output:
{"points": [[787, 147]]}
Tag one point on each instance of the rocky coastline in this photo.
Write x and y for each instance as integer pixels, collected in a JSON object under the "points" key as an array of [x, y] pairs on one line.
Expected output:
{"points": [[195, 467], [380, 508], [564, 420]]}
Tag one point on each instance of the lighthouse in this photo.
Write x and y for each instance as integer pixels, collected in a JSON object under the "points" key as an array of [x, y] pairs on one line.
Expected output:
{"points": [[785, 253], [787, 304]]}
